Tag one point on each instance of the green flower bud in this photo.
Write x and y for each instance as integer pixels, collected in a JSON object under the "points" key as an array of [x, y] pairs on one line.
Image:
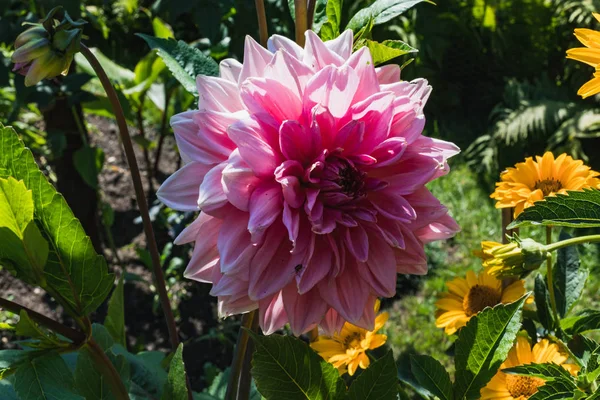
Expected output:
{"points": [[514, 259]]}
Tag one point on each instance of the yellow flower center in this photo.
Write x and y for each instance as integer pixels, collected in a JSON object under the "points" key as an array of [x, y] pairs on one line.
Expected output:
{"points": [[522, 385], [548, 186], [352, 341], [480, 297]]}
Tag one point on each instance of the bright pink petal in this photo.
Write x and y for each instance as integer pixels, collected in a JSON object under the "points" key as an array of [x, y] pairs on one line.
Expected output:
{"points": [[265, 206], [332, 88], [388, 74], [247, 134], [265, 96], [234, 244]]}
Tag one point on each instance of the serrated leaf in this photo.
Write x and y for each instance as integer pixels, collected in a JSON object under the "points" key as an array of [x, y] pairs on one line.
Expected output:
{"points": [[568, 276], [542, 303], [432, 376], [381, 11], [583, 348], [115, 317], [45, 378], [483, 345], [176, 388], [547, 371], [577, 209], [557, 389], [184, 61], [21, 242], [388, 50], [378, 382], [42, 339], [286, 367], [75, 274], [586, 320]]}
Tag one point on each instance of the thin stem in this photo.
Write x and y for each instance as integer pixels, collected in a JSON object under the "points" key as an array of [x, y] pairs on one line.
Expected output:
{"points": [[239, 356], [310, 13], [573, 241], [75, 336], [162, 131], [301, 20], [108, 371], [549, 277], [139, 194], [140, 121], [245, 377], [261, 15]]}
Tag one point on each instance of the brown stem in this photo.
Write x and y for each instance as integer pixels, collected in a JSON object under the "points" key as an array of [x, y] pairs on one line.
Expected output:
{"points": [[301, 20], [139, 194], [261, 15], [245, 377], [140, 121], [310, 13], [75, 336], [162, 132], [237, 365], [107, 369]]}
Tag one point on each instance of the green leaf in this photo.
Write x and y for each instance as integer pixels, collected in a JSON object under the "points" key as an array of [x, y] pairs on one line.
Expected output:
{"points": [[320, 16], [43, 339], [162, 29], [432, 376], [569, 277], [378, 382], [88, 162], [557, 389], [45, 378], [547, 371], [483, 345], [10, 361], [381, 11], [184, 61], [115, 317], [388, 50], [585, 350], [333, 10], [286, 367], [75, 275], [21, 242], [116, 73], [586, 320], [542, 303], [6, 391], [176, 388], [577, 209]]}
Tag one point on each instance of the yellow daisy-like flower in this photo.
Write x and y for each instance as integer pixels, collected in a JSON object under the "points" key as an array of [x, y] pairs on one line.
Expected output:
{"points": [[590, 54], [531, 181], [508, 387], [346, 350], [468, 296], [512, 259]]}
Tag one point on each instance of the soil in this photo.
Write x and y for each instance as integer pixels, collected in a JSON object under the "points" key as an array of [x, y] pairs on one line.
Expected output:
{"points": [[205, 340]]}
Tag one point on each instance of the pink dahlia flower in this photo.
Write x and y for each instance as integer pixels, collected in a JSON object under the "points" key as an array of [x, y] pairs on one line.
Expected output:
{"points": [[309, 167]]}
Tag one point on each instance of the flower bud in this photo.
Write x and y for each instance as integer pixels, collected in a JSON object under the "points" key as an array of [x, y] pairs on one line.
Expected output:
{"points": [[513, 259]]}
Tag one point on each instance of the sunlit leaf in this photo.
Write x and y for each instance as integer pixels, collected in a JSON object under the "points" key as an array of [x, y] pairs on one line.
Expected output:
{"points": [[115, 317], [176, 387], [381, 11]]}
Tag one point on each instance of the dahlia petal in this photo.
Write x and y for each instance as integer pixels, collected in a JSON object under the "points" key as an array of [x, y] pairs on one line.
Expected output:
{"points": [[380, 271], [234, 245], [376, 113], [350, 137], [291, 220], [388, 74], [323, 126], [205, 257], [229, 285], [265, 206], [411, 259], [238, 181], [391, 231], [293, 193], [445, 227], [362, 63], [289, 71], [304, 311], [218, 94], [392, 205], [189, 142], [212, 196], [357, 242], [332, 323], [389, 151], [212, 131], [278, 42], [271, 97], [190, 232], [260, 157], [342, 45], [181, 190], [230, 69], [333, 88], [317, 267], [297, 143], [272, 314], [229, 305], [256, 59], [317, 55]]}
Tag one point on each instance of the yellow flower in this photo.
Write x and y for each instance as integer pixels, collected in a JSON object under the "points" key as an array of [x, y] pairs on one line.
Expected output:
{"points": [[468, 296], [512, 259], [347, 350], [508, 387], [531, 181], [590, 54]]}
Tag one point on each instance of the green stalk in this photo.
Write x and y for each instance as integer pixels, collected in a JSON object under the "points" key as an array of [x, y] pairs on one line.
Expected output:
{"points": [[549, 279], [107, 369], [573, 241], [237, 365]]}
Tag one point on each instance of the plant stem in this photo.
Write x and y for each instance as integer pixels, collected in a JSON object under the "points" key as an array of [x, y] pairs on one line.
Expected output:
{"points": [[140, 121], [549, 278], [301, 20], [245, 378], [261, 15], [107, 369], [310, 13], [162, 132], [139, 194], [74, 335], [573, 241], [239, 356]]}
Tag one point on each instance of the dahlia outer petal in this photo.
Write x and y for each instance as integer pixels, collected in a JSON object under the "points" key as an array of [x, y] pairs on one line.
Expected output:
{"points": [[181, 190], [362, 63], [229, 285], [256, 59], [231, 305], [230, 69], [238, 181], [324, 126], [189, 141], [332, 323], [317, 55], [277, 42], [304, 311], [333, 88], [218, 94], [379, 271], [260, 156], [389, 151], [190, 233], [391, 231], [357, 242], [445, 228], [411, 172], [342, 45], [411, 259], [271, 97], [392, 205], [212, 129], [376, 113], [212, 196], [388, 74], [205, 257], [367, 319], [234, 245], [317, 267], [298, 143], [272, 313], [266, 204], [288, 70]]}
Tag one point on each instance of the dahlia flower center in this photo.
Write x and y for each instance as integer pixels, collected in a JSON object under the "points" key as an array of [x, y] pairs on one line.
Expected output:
{"points": [[548, 186], [480, 297], [523, 385], [341, 175]]}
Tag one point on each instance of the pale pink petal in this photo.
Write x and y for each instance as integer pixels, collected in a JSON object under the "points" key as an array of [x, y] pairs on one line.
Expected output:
{"points": [[247, 134], [278, 42], [190, 232], [317, 55], [362, 63], [272, 314], [218, 94], [211, 195], [234, 244], [332, 323], [304, 311], [388, 74], [230, 69], [189, 142], [181, 190], [332, 88], [256, 59], [205, 258], [238, 181], [291, 72], [265, 96], [342, 45]]}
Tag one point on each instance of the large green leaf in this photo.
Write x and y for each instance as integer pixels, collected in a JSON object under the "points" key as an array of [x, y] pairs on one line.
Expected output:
{"points": [[45, 378], [284, 367], [88, 161], [542, 303], [388, 50], [22, 247], [75, 274], [184, 61], [586, 320], [378, 382], [546, 371], [115, 317], [578, 209], [569, 277], [432, 376], [381, 11], [331, 29], [557, 389], [483, 345], [176, 387], [41, 338]]}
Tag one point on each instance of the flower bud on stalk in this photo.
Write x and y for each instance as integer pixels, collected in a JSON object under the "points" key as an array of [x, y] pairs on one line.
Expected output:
{"points": [[46, 50], [514, 259]]}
